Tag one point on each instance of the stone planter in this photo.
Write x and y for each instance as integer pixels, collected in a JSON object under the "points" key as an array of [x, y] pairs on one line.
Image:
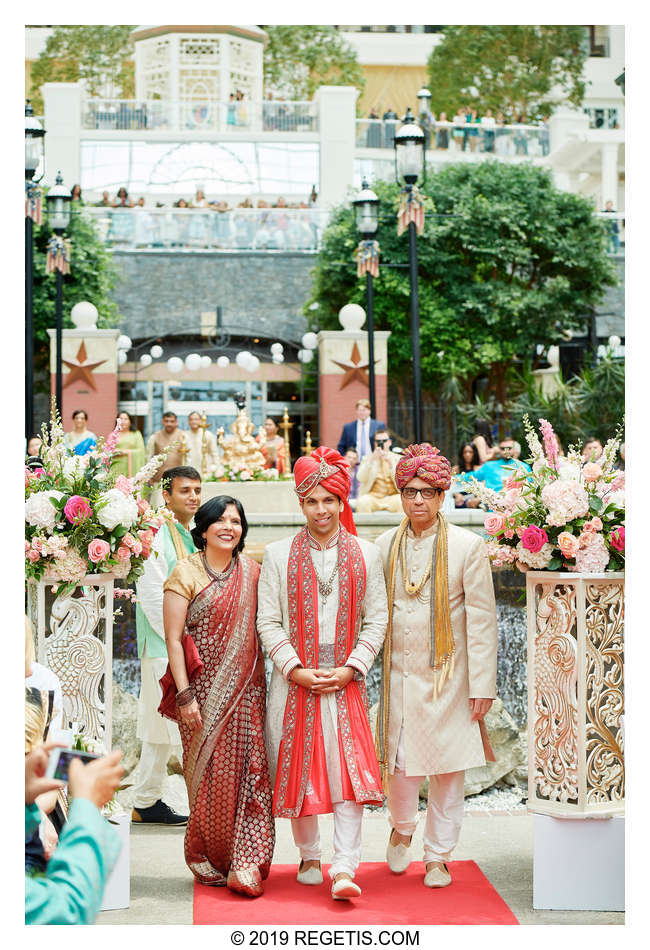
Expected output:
{"points": [[74, 638], [575, 694]]}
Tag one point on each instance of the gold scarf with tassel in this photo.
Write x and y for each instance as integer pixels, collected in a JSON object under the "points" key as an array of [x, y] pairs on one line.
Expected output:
{"points": [[441, 638]]}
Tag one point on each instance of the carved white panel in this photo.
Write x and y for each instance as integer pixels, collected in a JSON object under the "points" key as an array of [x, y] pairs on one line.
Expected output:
{"points": [[200, 51], [74, 638]]}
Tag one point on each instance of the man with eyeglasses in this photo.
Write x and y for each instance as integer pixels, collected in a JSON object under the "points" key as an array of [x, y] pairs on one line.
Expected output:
{"points": [[439, 665]]}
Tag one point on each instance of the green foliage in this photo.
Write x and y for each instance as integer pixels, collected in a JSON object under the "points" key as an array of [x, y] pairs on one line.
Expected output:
{"points": [[299, 59], [518, 70], [502, 250], [100, 55], [93, 274]]}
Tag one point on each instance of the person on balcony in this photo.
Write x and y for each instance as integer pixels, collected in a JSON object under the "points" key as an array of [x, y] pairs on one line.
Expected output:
{"points": [[390, 118], [373, 138], [442, 132]]}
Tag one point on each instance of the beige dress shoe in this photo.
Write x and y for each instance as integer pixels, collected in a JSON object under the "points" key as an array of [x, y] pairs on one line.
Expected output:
{"points": [[438, 876], [311, 876], [398, 856], [344, 888]]}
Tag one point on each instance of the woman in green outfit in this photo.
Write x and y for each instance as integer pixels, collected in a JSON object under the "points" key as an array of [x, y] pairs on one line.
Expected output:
{"points": [[129, 455]]}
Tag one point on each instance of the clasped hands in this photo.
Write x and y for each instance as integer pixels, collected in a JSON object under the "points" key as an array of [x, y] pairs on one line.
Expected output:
{"points": [[322, 681]]}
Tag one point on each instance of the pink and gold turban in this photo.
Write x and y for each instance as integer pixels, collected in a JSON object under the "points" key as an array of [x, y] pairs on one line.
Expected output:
{"points": [[423, 461], [327, 468]]}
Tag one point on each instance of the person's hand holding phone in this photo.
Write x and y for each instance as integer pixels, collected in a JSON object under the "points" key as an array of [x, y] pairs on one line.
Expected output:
{"points": [[35, 767], [98, 780]]}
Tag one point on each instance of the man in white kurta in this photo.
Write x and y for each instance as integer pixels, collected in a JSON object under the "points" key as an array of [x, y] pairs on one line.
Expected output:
{"points": [[202, 444], [160, 737], [431, 725], [322, 509]]}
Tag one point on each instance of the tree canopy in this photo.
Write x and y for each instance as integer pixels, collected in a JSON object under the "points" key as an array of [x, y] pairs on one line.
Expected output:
{"points": [[299, 59], [517, 70], [506, 262], [100, 55], [92, 277]]}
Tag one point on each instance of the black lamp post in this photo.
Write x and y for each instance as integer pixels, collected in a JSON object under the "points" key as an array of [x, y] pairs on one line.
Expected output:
{"points": [[366, 209], [409, 165], [58, 213], [34, 135]]}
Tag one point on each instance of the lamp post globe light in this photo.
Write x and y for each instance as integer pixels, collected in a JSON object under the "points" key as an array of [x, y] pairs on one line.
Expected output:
{"points": [[34, 140], [410, 164], [58, 201], [366, 212]]}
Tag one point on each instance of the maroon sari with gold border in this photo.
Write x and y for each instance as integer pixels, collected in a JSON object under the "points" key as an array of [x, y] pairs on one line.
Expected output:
{"points": [[225, 766]]}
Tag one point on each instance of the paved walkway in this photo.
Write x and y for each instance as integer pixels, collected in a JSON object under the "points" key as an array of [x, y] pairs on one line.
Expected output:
{"points": [[502, 846]]}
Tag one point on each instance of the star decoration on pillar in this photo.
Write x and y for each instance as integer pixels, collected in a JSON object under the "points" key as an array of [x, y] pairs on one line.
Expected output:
{"points": [[80, 369], [355, 369]]}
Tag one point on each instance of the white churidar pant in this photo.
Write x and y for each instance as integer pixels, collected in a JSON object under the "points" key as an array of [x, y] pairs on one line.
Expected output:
{"points": [[347, 838], [160, 737]]}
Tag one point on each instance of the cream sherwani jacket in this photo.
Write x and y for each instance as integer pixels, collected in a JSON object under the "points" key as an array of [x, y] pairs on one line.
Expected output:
{"points": [[440, 736], [273, 629]]}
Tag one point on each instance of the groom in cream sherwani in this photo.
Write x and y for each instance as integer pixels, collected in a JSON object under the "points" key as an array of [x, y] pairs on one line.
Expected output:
{"points": [[440, 663]]}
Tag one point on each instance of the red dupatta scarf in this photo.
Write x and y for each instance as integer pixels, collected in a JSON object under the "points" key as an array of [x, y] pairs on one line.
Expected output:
{"points": [[302, 754]]}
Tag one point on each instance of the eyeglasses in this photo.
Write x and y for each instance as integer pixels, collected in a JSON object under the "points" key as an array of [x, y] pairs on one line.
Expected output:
{"points": [[506, 448], [427, 493]]}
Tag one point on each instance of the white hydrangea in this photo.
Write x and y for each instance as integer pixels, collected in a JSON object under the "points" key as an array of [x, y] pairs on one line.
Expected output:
{"points": [[74, 467], [39, 510], [117, 508], [538, 561]]}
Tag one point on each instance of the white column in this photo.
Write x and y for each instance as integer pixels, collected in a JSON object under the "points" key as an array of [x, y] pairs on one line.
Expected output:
{"points": [[174, 90], [224, 90], [566, 124], [336, 110], [62, 101], [609, 174]]}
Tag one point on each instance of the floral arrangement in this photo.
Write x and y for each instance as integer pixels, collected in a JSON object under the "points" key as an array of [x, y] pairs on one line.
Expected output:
{"points": [[80, 519], [241, 473], [567, 514]]}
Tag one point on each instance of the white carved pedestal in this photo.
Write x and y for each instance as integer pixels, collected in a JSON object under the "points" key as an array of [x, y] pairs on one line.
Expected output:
{"points": [[74, 638], [576, 774]]}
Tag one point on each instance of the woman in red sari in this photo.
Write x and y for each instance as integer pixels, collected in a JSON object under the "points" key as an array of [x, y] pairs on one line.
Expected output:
{"points": [[218, 697]]}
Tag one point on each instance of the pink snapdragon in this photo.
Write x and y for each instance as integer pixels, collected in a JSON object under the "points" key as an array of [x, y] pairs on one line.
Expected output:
{"points": [[111, 442], [550, 442], [123, 484], [143, 506]]}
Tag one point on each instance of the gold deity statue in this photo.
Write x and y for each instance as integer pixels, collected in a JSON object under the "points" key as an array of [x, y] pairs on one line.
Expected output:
{"points": [[240, 450]]}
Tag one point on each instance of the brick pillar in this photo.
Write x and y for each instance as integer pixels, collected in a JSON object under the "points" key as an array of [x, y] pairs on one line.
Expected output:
{"points": [[339, 387], [90, 381]]}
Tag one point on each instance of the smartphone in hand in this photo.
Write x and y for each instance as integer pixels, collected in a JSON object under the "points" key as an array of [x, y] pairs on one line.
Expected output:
{"points": [[59, 762]]}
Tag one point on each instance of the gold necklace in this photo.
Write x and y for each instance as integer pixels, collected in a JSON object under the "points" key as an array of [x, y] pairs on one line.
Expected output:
{"points": [[411, 589]]}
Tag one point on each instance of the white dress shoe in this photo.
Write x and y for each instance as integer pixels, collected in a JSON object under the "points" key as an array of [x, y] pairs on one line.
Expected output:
{"points": [[311, 876], [438, 876], [344, 889], [398, 856]]}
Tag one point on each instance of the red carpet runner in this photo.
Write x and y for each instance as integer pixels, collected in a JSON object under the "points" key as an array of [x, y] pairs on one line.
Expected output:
{"points": [[387, 898]]}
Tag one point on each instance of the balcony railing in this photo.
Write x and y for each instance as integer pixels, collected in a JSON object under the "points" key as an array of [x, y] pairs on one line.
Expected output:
{"points": [[204, 116], [615, 228], [242, 229], [501, 140]]}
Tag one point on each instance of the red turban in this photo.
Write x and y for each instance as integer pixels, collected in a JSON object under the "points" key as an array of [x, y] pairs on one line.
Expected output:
{"points": [[423, 461], [327, 468]]}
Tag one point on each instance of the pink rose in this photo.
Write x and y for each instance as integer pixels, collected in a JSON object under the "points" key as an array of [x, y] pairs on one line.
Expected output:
{"points": [[123, 553], [592, 472], [594, 525], [33, 556], [617, 538], [145, 552], [128, 539], [494, 523], [568, 544], [586, 537], [27, 546], [136, 548], [534, 538], [77, 509], [146, 537], [143, 505], [98, 550], [123, 484]]}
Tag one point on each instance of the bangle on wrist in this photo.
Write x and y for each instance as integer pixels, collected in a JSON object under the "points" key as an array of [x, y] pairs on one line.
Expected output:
{"points": [[185, 696]]}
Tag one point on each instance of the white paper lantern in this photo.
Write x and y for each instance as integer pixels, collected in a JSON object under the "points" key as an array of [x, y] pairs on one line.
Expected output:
{"points": [[192, 362], [146, 360], [242, 358], [305, 356], [276, 348], [124, 342], [121, 357], [352, 316], [314, 306], [614, 341], [174, 364], [205, 362], [310, 341], [84, 315], [277, 358], [222, 362], [252, 364], [156, 351]]}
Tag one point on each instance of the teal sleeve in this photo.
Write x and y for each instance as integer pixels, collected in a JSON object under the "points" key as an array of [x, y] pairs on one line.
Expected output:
{"points": [[72, 890], [32, 819]]}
